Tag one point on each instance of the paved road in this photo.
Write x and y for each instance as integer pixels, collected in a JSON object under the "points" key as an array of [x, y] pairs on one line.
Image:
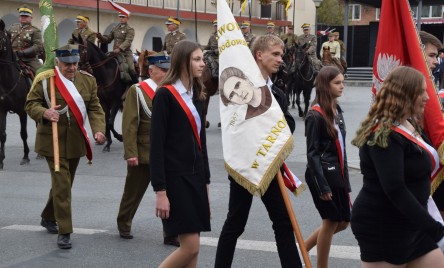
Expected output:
{"points": [[96, 196]]}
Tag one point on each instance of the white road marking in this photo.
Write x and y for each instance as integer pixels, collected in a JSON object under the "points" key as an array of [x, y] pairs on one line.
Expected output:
{"points": [[342, 252]]}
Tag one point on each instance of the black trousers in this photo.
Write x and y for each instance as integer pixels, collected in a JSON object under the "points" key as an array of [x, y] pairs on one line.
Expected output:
{"points": [[238, 210]]}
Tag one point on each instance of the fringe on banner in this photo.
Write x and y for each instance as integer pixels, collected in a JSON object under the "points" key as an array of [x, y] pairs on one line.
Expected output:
{"points": [[259, 190], [42, 76]]}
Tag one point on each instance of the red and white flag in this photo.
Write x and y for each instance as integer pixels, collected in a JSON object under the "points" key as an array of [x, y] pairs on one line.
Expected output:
{"points": [[399, 44], [119, 8]]}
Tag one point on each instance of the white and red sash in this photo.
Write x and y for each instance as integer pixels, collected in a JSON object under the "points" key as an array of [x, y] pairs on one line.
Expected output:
{"points": [[75, 103], [188, 107], [145, 85], [436, 166]]}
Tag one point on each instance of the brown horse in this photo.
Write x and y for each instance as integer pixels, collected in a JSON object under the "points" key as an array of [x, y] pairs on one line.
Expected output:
{"points": [[328, 60], [14, 87]]}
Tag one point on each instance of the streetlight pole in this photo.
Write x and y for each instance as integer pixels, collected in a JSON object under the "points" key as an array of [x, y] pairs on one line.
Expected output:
{"points": [[317, 5]]}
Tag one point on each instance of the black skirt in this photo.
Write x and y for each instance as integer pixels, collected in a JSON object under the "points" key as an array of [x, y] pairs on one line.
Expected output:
{"points": [[189, 207], [337, 209]]}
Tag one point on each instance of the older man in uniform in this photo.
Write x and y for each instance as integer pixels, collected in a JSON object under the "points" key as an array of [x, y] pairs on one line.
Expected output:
{"points": [[310, 40], [335, 48], [26, 39], [211, 55], [174, 34], [83, 30], [270, 28], [76, 97], [123, 36], [136, 125], [289, 38], [246, 31]]}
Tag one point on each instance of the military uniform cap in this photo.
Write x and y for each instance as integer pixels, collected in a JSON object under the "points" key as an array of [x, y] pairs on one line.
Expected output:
{"points": [[335, 33], [25, 11], [305, 26], [331, 34], [245, 24], [68, 53], [173, 20], [161, 60], [270, 24], [290, 27], [215, 22], [122, 15], [82, 18]]}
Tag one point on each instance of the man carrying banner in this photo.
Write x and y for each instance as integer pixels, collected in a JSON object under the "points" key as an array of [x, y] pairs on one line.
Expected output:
{"points": [[123, 36], [267, 51], [136, 126], [76, 97]]}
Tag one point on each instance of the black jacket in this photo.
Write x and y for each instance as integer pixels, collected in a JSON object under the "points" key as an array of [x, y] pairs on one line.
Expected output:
{"points": [[174, 150], [321, 147], [280, 97]]}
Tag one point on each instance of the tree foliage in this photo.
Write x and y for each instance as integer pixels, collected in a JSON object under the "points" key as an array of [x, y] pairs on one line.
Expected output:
{"points": [[331, 12]]}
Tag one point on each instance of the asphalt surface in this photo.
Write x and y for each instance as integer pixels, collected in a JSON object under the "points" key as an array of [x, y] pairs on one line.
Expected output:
{"points": [[96, 196]]}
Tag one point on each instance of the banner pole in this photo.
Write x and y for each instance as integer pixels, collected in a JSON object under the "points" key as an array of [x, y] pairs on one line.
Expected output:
{"points": [[55, 135], [98, 23], [293, 220]]}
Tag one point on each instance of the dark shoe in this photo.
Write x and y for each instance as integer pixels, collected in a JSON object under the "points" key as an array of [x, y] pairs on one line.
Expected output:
{"points": [[64, 241], [51, 226], [126, 235], [171, 241]]}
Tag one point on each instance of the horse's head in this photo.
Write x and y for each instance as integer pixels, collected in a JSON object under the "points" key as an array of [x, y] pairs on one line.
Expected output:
{"points": [[143, 63], [5, 43]]}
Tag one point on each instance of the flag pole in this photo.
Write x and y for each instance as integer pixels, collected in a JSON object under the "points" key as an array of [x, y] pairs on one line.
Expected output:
{"points": [[293, 220], [195, 18], [98, 23], [55, 135]]}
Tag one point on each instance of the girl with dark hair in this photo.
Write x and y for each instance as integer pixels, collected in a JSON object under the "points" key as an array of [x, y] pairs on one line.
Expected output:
{"points": [[180, 173], [390, 218], [327, 172]]}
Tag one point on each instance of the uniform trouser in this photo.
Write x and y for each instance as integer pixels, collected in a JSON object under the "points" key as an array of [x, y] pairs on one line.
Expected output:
{"points": [[58, 207], [238, 210], [130, 61], [136, 183], [35, 64]]}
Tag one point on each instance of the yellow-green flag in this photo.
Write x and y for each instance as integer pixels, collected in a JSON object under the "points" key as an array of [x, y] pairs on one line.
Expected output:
{"points": [[243, 6], [287, 7], [50, 40]]}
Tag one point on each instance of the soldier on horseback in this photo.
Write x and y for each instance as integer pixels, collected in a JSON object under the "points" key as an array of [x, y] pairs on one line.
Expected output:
{"points": [[174, 34], [334, 46], [289, 38], [342, 49], [83, 30], [123, 36], [246, 31], [26, 39], [310, 41], [270, 28], [211, 56]]}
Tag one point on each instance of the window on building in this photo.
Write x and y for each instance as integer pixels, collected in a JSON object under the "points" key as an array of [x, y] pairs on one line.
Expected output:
{"points": [[432, 11], [354, 12]]}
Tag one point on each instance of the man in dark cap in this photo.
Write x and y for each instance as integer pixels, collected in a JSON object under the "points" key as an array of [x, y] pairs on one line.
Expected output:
{"points": [[136, 125], [174, 34], [211, 55], [123, 36], [26, 39], [76, 98], [83, 30]]}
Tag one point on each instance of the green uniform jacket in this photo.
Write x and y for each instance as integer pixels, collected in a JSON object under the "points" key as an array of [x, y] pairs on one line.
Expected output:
{"points": [[86, 33], [311, 40], [171, 39], [212, 44], [71, 140], [123, 36], [249, 38], [136, 126], [289, 39], [26, 37]]}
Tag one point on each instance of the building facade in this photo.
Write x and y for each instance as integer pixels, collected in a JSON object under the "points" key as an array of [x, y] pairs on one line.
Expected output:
{"points": [[148, 17]]}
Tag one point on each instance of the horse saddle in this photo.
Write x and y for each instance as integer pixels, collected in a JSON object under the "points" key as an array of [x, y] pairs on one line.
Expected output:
{"points": [[123, 66], [26, 70]]}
